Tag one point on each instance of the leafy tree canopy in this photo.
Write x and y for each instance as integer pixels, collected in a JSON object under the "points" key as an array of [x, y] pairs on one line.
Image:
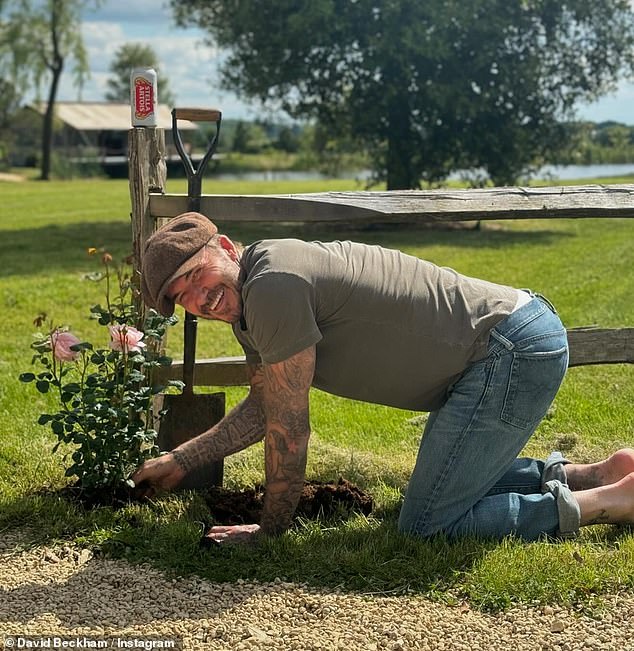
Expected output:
{"points": [[127, 57], [425, 87]]}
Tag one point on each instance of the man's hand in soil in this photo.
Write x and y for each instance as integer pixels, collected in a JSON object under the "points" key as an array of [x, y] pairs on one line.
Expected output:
{"points": [[155, 475], [232, 535]]}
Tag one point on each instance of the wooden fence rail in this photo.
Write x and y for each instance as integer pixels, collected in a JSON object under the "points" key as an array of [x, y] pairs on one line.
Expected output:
{"points": [[150, 203], [587, 346], [598, 201]]}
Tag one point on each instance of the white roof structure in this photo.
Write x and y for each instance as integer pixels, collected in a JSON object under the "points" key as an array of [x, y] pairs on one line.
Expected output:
{"points": [[107, 116]]}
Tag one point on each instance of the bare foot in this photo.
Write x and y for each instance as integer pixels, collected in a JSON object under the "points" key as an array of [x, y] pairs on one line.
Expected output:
{"points": [[610, 504], [609, 471]]}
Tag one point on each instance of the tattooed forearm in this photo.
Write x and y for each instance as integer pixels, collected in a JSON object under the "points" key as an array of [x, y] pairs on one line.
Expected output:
{"points": [[286, 387], [285, 469], [240, 428]]}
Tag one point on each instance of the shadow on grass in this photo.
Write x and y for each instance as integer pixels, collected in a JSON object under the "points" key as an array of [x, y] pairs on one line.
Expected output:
{"points": [[369, 556], [352, 554], [356, 554], [63, 248]]}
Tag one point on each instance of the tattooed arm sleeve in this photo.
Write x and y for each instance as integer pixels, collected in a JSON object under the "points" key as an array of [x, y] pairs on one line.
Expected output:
{"points": [[285, 393], [243, 426]]}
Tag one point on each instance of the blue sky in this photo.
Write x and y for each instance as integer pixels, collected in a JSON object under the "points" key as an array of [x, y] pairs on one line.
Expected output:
{"points": [[191, 66]]}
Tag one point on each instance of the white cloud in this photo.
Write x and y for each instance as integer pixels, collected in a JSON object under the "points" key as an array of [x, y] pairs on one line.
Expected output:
{"points": [[142, 12], [101, 41], [190, 65]]}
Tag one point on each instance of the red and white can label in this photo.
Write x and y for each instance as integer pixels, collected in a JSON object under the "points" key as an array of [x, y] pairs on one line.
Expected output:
{"points": [[143, 97]]}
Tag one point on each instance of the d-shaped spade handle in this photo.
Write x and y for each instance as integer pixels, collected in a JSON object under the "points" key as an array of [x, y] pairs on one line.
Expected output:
{"points": [[195, 174]]}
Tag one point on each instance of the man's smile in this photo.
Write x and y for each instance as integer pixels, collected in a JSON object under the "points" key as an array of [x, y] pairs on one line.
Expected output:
{"points": [[213, 300]]}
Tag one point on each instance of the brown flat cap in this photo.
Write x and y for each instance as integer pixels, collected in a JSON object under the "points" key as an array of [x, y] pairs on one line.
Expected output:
{"points": [[173, 250]]}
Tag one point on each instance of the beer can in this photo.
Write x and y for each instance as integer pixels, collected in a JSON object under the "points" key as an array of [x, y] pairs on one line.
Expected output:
{"points": [[143, 97]]}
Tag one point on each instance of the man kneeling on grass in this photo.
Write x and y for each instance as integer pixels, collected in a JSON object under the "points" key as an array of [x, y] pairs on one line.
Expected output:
{"points": [[377, 325]]}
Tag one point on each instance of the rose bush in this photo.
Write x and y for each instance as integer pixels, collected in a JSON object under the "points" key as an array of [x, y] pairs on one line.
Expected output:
{"points": [[105, 421]]}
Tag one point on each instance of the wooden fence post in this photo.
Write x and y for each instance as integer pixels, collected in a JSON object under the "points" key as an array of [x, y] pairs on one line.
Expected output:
{"points": [[147, 172]]}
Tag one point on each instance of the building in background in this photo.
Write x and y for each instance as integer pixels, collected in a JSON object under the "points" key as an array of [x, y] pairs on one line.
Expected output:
{"points": [[90, 135]]}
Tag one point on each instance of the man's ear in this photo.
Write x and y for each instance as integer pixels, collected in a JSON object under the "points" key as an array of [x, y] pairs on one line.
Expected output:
{"points": [[228, 246]]}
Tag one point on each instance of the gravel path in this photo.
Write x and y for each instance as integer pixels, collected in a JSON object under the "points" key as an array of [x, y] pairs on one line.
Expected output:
{"points": [[66, 592]]}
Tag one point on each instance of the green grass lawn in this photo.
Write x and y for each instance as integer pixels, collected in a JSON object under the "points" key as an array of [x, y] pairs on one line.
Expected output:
{"points": [[583, 266]]}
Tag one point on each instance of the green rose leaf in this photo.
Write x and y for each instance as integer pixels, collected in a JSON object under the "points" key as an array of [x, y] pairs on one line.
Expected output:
{"points": [[58, 427], [136, 376]]}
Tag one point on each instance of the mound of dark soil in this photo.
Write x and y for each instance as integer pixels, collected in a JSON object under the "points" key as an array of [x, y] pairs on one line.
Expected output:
{"points": [[116, 497], [318, 499]]}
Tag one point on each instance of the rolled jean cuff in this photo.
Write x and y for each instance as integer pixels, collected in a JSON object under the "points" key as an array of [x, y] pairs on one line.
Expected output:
{"points": [[567, 507], [554, 469]]}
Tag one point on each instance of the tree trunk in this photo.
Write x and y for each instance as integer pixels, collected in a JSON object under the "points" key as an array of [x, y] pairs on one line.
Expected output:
{"points": [[56, 65], [400, 170], [47, 126]]}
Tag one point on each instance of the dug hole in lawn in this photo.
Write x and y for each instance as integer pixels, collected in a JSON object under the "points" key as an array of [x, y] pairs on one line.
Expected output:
{"points": [[318, 500]]}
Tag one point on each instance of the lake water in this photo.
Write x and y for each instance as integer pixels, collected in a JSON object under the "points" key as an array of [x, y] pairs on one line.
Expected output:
{"points": [[282, 175], [554, 172], [566, 172], [570, 172]]}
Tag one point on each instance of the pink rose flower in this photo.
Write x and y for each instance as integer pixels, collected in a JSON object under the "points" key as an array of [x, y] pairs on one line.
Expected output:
{"points": [[125, 338], [60, 342]]}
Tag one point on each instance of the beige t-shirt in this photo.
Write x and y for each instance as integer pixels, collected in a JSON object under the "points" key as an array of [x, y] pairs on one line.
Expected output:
{"points": [[389, 328]]}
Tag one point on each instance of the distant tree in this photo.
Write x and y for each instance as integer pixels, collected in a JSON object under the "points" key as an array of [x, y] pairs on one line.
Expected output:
{"points": [[9, 104], [330, 155], [249, 138], [425, 86], [595, 144], [42, 37], [240, 137], [287, 140], [127, 57], [614, 135]]}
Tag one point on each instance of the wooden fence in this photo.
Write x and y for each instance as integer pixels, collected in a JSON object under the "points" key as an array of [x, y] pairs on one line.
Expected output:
{"points": [[150, 204]]}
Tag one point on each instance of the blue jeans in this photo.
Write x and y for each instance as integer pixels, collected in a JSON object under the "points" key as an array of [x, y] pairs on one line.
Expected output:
{"points": [[468, 479]]}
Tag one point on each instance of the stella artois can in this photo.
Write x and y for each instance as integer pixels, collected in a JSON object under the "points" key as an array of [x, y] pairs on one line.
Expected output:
{"points": [[143, 97]]}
